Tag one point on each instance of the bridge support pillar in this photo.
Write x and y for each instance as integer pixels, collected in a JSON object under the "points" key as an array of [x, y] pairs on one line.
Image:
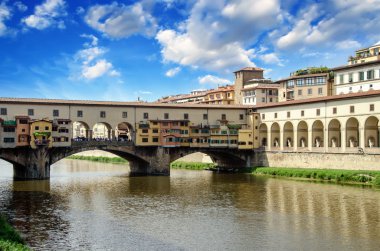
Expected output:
{"points": [[34, 164], [156, 162]]}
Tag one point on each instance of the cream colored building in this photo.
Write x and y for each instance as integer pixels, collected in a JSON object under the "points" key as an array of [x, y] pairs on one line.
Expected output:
{"points": [[242, 78], [365, 55], [305, 86], [339, 123], [260, 91]]}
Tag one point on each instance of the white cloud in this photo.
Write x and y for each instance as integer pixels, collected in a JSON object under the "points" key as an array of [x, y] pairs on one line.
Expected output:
{"points": [[100, 68], [172, 72], [348, 44], [20, 6], [271, 58], [119, 20], [217, 35], [210, 79], [5, 14], [47, 14], [92, 64]]}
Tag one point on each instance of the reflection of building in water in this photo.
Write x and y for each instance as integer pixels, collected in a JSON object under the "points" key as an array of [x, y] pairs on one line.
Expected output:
{"points": [[323, 211]]}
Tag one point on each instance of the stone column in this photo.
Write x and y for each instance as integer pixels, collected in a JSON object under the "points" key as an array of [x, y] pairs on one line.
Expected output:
{"points": [[295, 140], [281, 138], [269, 140], [361, 137], [310, 139], [343, 140], [32, 164], [326, 139]]}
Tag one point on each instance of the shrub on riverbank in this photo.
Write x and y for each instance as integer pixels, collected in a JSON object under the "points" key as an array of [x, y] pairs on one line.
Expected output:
{"points": [[9, 239], [191, 165], [344, 176], [113, 160]]}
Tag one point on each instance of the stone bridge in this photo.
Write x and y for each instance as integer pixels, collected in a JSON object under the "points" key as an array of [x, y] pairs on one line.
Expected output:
{"points": [[35, 163]]}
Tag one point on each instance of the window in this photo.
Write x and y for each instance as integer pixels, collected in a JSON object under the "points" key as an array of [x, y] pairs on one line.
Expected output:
{"points": [[55, 113], [224, 117], [302, 113], [320, 91], [309, 91], [9, 129], [155, 140], [288, 114], [3, 111], [124, 114], [241, 116], [79, 114], [144, 130], [30, 112], [370, 74], [185, 116], [321, 80], [371, 107], [9, 140], [361, 75], [290, 83], [275, 115], [341, 79], [352, 109], [262, 116], [270, 100], [309, 81], [102, 114], [350, 77], [263, 100], [46, 128], [146, 115], [205, 116], [23, 121], [145, 140], [334, 110], [318, 112], [166, 115], [155, 130], [299, 82], [299, 92]]}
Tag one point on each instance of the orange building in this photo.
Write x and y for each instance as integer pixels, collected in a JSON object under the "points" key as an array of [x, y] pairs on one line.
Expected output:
{"points": [[22, 131]]}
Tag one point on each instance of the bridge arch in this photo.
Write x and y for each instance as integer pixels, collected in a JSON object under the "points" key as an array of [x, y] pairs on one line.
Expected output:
{"points": [[124, 131], [288, 134], [352, 132], [302, 137], [263, 135], [275, 133], [102, 131], [317, 134], [81, 130], [334, 133], [371, 132]]}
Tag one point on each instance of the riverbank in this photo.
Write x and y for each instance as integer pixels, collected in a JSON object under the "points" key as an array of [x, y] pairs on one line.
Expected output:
{"points": [[192, 165], [103, 159], [9, 238], [339, 176]]}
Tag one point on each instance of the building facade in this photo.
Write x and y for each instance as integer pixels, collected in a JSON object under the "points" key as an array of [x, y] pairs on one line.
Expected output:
{"points": [[242, 78]]}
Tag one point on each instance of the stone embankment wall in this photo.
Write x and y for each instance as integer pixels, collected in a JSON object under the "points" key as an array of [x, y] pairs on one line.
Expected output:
{"points": [[317, 160]]}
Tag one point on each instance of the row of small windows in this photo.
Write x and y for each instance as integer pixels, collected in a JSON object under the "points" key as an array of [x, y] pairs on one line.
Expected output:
{"points": [[362, 75], [318, 111], [253, 92], [306, 81]]}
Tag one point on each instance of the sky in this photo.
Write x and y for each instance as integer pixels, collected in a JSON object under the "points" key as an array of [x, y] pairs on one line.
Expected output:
{"points": [[129, 50]]}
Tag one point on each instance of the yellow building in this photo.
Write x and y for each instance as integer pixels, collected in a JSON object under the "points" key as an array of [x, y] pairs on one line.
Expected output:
{"points": [[41, 133], [365, 55], [222, 95]]}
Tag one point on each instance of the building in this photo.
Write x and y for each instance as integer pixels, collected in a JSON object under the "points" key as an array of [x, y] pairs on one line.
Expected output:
{"points": [[41, 133], [259, 91], [61, 132], [22, 131], [223, 95], [8, 133], [242, 78], [361, 74], [304, 85], [195, 97], [365, 55]]}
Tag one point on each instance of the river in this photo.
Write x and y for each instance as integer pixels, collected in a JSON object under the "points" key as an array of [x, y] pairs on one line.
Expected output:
{"points": [[93, 206]]}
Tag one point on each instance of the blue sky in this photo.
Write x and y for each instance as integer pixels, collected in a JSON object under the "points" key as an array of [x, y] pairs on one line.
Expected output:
{"points": [[122, 50]]}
